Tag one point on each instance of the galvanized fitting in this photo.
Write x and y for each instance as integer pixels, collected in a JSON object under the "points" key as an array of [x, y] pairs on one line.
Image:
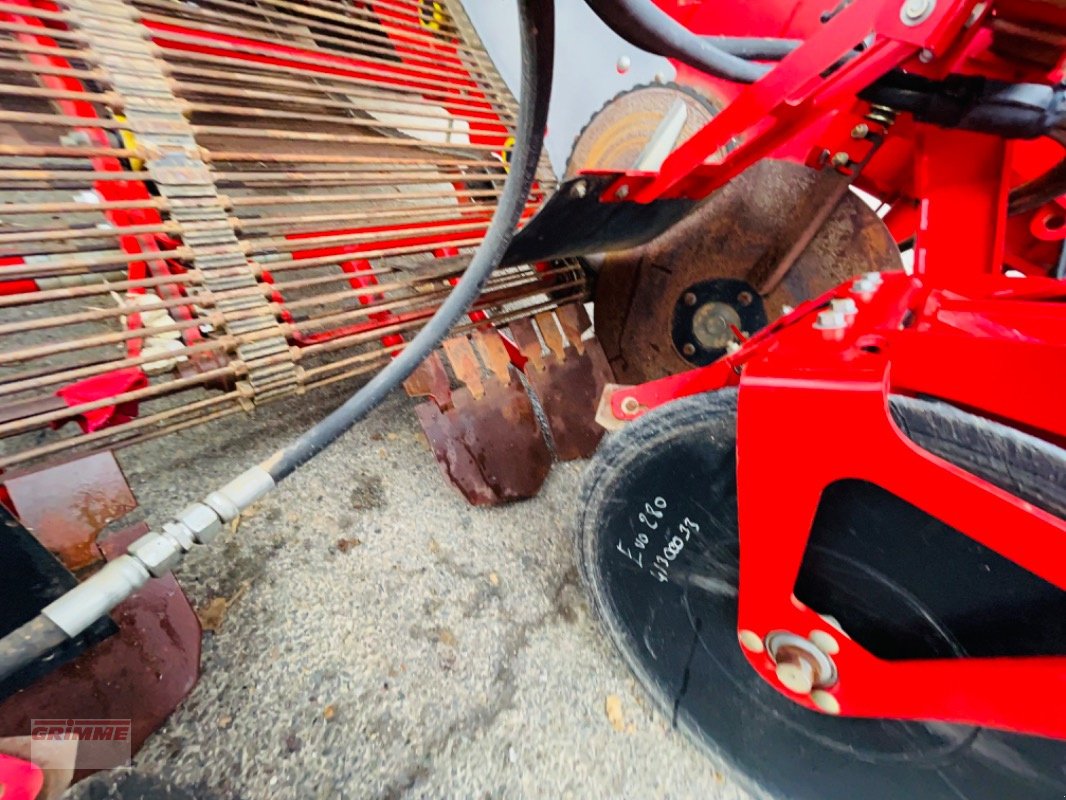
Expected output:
{"points": [[229, 501], [180, 533], [158, 553], [88, 601], [202, 521]]}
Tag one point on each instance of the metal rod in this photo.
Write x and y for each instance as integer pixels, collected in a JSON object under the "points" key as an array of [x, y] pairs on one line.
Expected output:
{"points": [[66, 234], [62, 151], [14, 385], [106, 433], [9, 65], [311, 136], [372, 71], [353, 89], [155, 390], [34, 30], [320, 261], [321, 78], [158, 203], [446, 124], [281, 199], [353, 36], [192, 277]]}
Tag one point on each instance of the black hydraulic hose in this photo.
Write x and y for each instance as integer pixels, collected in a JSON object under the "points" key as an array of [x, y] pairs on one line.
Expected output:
{"points": [[754, 48], [645, 25], [27, 643], [537, 25]]}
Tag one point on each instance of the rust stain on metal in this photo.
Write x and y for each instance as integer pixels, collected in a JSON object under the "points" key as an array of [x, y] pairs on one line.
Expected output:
{"points": [[464, 363], [526, 338], [491, 448], [749, 224], [66, 506], [568, 380], [484, 434], [430, 380], [493, 354]]}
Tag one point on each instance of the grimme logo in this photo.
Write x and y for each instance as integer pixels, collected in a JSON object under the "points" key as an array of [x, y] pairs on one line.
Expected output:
{"points": [[101, 743]]}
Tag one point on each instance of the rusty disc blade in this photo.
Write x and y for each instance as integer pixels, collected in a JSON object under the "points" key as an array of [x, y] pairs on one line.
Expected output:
{"points": [[490, 448], [616, 135], [728, 238]]}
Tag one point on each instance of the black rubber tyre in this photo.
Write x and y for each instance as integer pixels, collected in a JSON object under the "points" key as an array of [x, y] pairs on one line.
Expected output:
{"points": [[875, 562]]}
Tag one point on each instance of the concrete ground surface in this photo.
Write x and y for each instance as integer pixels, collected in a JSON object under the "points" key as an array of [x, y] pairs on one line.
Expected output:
{"points": [[376, 637]]}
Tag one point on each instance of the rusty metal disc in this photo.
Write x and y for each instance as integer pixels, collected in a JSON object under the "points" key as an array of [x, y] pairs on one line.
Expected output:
{"points": [[732, 235], [616, 135]]}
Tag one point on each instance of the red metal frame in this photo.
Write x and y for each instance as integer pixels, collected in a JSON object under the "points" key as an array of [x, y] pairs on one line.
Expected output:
{"points": [[956, 329], [908, 338], [894, 177]]}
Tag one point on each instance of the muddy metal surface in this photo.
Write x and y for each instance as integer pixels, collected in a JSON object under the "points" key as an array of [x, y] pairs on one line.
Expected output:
{"points": [[371, 635]]}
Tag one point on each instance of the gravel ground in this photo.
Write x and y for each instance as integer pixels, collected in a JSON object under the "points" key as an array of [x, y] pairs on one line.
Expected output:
{"points": [[384, 639]]}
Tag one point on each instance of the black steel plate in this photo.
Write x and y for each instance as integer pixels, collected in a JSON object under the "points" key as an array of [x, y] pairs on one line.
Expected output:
{"points": [[30, 579]]}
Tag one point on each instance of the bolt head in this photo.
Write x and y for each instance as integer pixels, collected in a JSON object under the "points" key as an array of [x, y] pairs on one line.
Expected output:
{"points": [[860, 131], [203, 521], [914, 12], [630, 406], [830, 320], [796, 675], [825, 702], [824, 642], [689, 299], [841, 159], [689, 349], [914, 8], [745, 299], [845, 305], [622, 193], [751, 641], [580, 189]]}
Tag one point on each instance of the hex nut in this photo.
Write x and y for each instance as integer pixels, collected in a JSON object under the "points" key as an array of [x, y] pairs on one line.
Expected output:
{"points": [[825, 642], [180, 534], [159, 554], [750, 640], [825, 702], [203, 521], [845, 305]]}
